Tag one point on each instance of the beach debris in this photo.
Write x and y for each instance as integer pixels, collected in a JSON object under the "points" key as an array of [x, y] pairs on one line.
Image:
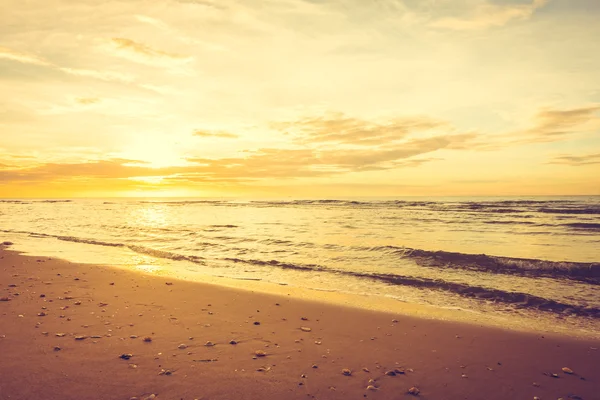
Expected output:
{"points": [[125, 356], [371, 387], [42, 295], [233, 342], [207, 360], [209, 344], [60, 334], [12, 285], [260, 353], [151, 397], [390, 373], [464, 376], [399, 371], [133, 366], [315, 366], [182, 346], [165, 372], [45, 333], [318, 342], [80, 337], [304, 319], [96, 337], [5, 299], [263, 369], [42, 314], [414, 391], [256, 323], [77, 303], [366, 369], [133, 337], [567, 370], [7, 243], [346, 372], [305, 329], [168, 283], [57, 348], [147, 339]]}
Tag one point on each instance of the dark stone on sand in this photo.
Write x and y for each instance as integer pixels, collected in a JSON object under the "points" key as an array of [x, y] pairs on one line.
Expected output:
{"points": [[256, 323], [125, 356], [7, 243]]}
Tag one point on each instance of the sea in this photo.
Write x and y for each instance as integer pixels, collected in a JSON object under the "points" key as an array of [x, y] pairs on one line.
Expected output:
{"points": [[533, 260]]}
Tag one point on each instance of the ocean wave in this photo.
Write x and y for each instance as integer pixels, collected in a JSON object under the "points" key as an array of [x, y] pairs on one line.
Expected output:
{"points": [[582, 210], [517, 299], [584, 226]]}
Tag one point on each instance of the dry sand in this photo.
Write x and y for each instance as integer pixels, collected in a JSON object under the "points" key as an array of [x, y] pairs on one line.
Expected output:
{"points": [[114, 310]]}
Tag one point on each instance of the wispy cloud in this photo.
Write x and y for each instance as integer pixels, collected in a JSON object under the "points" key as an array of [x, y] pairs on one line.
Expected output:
{"points": [[26, 58], [586, 159], [215, 134], [142, 53], [487, 15], [14, 55], [339, 128]]}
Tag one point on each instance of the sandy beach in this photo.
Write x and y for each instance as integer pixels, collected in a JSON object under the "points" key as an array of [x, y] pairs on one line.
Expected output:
{"points": [[78, 331]]}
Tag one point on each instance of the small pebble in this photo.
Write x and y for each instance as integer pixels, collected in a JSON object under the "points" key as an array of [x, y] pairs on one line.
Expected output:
{"points": [[414, 391], [305, 329], [182, 346], [233, 342], [260, 353], [126, 356], [256, 323], [567, 370], [209, 344], [147, 339], [80, 337], [346, 372], [371, 387]]}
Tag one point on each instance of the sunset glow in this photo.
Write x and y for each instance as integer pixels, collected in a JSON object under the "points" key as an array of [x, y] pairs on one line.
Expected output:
{"points": [[300, 98]]}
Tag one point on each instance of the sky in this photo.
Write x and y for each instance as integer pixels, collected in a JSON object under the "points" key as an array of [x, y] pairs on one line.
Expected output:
{"points": [[299, 98]]}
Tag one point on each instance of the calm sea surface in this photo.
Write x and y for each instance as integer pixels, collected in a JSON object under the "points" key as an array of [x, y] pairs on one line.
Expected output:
{"points": [[536, 258]]}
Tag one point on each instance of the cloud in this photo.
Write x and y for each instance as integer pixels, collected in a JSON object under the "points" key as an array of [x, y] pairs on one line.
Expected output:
{"points": [[339, 128], [87, 100], [551, 125], [488, 15], [142, 53], [575, 161], [24, 58], [216, 134]]}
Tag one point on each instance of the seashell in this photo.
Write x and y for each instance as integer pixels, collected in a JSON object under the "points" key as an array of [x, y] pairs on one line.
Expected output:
{"points": [[182, 346], [371, 387], [133, 337], [305, 329], [61, 334], [390, 373], [315, 366], [126, 356], [80, 337], [57, 348], [366, 369], [567, 370], [260, 353], [346, 372], [209, 344], [42, 314]]}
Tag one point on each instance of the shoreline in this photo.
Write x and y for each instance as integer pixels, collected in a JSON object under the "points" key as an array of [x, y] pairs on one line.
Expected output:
{"points": [[486, 313], [116, 308]]}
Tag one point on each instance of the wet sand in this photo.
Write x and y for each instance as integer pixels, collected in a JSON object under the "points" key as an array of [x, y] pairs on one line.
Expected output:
{"points": [[48, 304]]}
